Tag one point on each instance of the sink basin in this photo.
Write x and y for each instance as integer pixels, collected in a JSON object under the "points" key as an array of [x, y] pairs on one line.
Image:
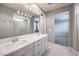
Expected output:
{"points": [[8, 47], [7, 44], [21, 42]]}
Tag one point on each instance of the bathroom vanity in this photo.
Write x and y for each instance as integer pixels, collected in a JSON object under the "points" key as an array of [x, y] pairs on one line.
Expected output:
{"points": [[26, 45]]}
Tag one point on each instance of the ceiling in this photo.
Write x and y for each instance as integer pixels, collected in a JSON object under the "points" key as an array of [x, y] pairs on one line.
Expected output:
{"points": [[20, 6], [46, 7]]}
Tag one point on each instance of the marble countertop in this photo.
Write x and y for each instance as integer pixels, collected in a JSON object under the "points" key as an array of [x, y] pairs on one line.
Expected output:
{"points": [[24, 40]]}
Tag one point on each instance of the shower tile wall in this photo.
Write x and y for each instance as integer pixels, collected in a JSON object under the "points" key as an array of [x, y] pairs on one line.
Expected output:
{"points": [[61, 29]]}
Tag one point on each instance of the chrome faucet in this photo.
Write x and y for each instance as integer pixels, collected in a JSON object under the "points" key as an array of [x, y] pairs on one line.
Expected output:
{"points": [[14, 39]]}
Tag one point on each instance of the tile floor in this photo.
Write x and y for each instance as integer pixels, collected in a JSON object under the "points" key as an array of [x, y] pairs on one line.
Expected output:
{"points": [[58, 50]]}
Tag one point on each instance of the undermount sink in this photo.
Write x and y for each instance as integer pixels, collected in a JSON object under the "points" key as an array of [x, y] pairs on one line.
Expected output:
{"points": [[5, 44], [21, 42], [14, 43]]}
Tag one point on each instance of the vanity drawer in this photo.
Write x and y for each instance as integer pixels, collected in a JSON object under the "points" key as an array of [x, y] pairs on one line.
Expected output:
{"points": [[19, 52], [38, 43], [29, 51]]}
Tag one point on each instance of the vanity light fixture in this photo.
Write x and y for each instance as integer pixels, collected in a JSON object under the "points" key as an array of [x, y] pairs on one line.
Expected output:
{"points": [[21, 13], [17, 19]]}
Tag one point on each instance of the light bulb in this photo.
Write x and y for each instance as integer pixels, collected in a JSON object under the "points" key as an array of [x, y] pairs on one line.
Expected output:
{"points": [[25, 14], [18, 12]]}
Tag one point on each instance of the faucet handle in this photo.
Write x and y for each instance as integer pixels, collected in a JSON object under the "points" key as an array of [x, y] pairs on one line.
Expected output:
{"points": [[16, 39]]}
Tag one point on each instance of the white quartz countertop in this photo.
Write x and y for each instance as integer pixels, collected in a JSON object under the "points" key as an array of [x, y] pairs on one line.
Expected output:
{"points": [[24, 40]]}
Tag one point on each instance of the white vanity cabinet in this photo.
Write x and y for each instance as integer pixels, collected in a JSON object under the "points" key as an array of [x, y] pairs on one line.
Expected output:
{"points": [[25, 51], [34, 47], [40, 46], [37, 48]]}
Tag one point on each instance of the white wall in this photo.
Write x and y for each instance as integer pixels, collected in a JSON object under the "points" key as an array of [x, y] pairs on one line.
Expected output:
{"points": [[76, 6]]}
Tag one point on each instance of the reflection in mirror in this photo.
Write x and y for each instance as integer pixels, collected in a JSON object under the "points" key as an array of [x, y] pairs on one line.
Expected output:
{"points": [[36, 24], [15, 22], [21, 25]]}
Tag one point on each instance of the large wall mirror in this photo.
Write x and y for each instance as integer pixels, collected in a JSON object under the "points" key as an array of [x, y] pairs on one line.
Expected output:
{"points": [[15, 22]]}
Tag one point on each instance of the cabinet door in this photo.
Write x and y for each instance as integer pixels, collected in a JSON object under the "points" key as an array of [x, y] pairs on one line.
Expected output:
{"points": [[44, 45], [25, 51], [19, 52], [37, 48], [29, 50]]}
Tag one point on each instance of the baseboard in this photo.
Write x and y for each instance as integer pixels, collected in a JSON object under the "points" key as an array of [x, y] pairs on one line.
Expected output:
{"points": [[45, 53]]}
